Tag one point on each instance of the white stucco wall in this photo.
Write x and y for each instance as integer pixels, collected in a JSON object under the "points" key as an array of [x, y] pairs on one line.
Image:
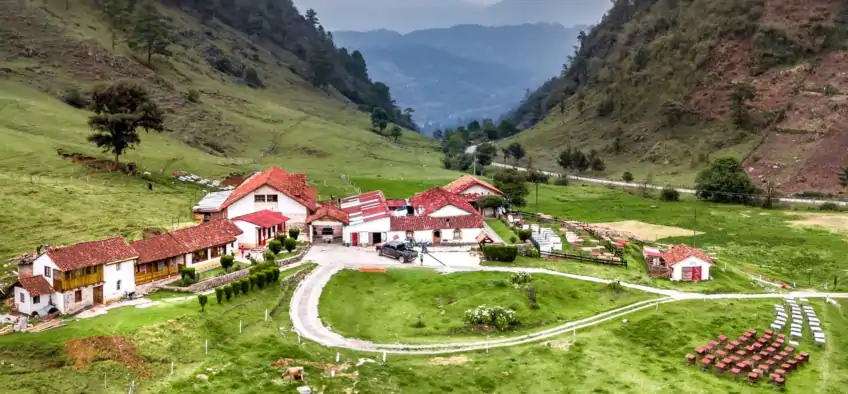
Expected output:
{"points": [[377, 226], [248, 236], [112, 273], [66, 304], [469, 235], [448, 211], [477, 189], [285, 205], [26, 306], [41, 262], [692, 261]]}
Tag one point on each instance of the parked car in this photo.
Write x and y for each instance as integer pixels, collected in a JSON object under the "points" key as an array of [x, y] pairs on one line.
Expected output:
{"points": [[398, 250]]}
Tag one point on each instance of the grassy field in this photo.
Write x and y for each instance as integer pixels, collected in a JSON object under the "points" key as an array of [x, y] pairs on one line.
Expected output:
{"points": [[387, 307], [500, 227]]}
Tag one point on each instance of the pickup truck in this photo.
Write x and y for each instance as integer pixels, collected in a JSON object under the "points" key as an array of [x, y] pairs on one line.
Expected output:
{"points": [[398, 250]]}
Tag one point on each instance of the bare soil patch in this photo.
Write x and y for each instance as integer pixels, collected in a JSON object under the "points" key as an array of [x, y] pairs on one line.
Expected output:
{"points": [[455, 360], [559, 345], [84, 351], [326, 367], [834, 222], [648, 231]]}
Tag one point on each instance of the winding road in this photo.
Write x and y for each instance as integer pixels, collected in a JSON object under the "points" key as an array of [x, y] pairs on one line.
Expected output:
{"points": [[307, 323]]}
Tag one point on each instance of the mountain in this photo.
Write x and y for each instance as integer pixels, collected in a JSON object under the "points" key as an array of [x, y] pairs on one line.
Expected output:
{"points": [[464, 72], [661, 87], [411, 15]]}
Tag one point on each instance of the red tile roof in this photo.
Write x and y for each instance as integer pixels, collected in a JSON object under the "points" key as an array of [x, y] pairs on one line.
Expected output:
{"points": [[437, 198], [420, 223], [36, 285], [87, 254], [212, 233], [395, 204], [264, 218], [160, 247], [292, 185], [329, 211], [681, 252], [466, 181], [365, 207]]}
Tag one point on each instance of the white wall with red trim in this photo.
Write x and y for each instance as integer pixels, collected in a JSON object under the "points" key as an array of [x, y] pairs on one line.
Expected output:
{"points": [[690, 262]]}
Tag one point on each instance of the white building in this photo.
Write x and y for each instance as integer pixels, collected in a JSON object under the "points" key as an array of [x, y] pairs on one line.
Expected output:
{"points": [[462, 229], [260, 227], [368, 219], [687, 263], [273, 190], [71, 278], [472, 189]]}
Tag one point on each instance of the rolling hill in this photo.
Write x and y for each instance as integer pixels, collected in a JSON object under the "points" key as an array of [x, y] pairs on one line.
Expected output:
{"points": [[54, 178], [661, 87], [465, 72]]}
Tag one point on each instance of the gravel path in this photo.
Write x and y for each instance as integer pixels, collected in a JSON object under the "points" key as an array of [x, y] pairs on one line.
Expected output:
{"points": [[306, 321]]}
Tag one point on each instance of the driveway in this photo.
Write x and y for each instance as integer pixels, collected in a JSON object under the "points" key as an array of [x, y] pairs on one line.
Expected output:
{"points": [[359, 256]]}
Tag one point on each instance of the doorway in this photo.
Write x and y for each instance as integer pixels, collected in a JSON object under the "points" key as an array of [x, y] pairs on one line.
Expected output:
{"points": [[354, 239], [696, 274], [98, 295], [376, 238], [437, 237]]}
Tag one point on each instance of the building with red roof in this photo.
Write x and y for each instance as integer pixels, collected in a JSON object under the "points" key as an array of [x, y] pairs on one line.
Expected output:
{"points": [[439, 202], [327, 224], [260, 227], [680, 263], [472, 187], [437, 230], [273, 189], [368, 218]]}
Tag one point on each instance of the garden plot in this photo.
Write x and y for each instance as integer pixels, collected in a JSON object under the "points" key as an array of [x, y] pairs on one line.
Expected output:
{"points": [[836, 223], [648, 231]]}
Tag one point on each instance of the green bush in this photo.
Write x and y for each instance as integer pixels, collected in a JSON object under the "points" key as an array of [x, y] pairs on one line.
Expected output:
{"points": [[561, 181], [245, 285], [192, 95], [236, 288], [531, 252], [202, 299], [275, 246], [252, 78], [669, 194], [513, 239], [188, 275], [495, 316], [524, 235], [270, 256], [228, 292], [294, 233], [627, 177], [75, 98], [503, 253], [521, 278], [219, 294], [227, 262], [290, 244], [829, 206], [275, 274], [260, 279], [262, 267], [254, 281], [281, 237]]}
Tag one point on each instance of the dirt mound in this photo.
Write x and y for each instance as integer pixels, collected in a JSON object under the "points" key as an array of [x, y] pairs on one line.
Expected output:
{"points": [[290, 362], [84, 351], [455, 360]]}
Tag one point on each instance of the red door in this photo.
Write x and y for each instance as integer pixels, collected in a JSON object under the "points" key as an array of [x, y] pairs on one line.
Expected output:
{"points": [[354, 239], [696, 274]]}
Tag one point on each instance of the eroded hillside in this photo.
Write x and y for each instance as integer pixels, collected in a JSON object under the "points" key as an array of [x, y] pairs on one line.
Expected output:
{"points": [[660, 86]]}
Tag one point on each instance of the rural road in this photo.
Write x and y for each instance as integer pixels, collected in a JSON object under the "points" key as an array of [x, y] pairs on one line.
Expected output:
{"points": [[307, 322], [657, 187]]}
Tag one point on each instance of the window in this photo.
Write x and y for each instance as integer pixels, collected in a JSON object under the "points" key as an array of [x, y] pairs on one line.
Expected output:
{"points": [[118, 267], [457, 235], [78, 296], [23, 298], [36, 299], [119, 285], [160, 266], [271, 198], [258, 198], [48, 272], [409, 234]]}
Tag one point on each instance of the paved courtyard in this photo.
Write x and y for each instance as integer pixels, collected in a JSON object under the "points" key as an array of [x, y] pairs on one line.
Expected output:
{"points": [[358, 256]]}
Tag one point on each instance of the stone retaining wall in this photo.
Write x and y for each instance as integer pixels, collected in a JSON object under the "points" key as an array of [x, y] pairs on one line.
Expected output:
{"points": [[234, 276]]}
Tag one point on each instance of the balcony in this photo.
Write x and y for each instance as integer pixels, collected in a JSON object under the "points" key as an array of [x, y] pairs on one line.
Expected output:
{"points": [[78, 278]]}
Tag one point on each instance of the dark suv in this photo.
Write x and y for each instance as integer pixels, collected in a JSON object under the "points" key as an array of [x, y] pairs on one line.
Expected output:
{"points": [[398, 250]]}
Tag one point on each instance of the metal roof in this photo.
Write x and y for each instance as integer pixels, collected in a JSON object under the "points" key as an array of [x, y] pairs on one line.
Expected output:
{"points": [[212, 201]]}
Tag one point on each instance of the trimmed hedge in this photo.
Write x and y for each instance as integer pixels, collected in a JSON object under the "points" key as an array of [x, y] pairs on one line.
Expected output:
{"points": [[503, 253]]}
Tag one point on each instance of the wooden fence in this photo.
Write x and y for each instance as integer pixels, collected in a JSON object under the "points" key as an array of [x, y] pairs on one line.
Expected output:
{"points": [[576, 257]]}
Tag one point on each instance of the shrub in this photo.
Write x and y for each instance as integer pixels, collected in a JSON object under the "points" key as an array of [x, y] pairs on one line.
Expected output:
{"points": [[419, 323], [254, 280], [236, 288], [531, 252], [245, 285], [188, 275], [275, 246], [281, 237], [496, 316], [270, 256], [561, 181], [521, 278], [669, 194], [228, 292], [252, 78], [75, 98], [829, 206], [290, 244], [294, 233], [227, 262], [260, 279], [262, 267], [202, 299], [513, 239], [219, 294], [627, 176], [524, 235], [276, 273], [501, 253], [192, 95], [531, 296]]}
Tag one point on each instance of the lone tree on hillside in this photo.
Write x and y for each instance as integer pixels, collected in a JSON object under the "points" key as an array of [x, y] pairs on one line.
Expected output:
{"points": [[379, 119], [396, 132], [564, 159], [724, 181], [598, 164], [627, 176], [505, 154], [516, 151], [485, 154], [579, 161], [741, 94], [513, 184], [119, 110], [843, 177], [149, 33], [117, 15]]}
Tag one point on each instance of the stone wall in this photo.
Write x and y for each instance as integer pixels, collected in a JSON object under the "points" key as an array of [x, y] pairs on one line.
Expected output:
{"points": [[234, 276]]}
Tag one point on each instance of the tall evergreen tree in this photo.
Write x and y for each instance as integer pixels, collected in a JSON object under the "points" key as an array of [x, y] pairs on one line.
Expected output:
{"points": [[117, 15], [149, 33], [321, 62]]}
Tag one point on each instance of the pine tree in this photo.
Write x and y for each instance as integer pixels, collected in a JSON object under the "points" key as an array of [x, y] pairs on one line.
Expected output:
{"points": [[321, 62], [150, 32], [116, 13]]}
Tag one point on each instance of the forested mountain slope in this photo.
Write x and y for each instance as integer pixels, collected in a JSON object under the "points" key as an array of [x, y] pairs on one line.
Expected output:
{"points": [[660, 86]]}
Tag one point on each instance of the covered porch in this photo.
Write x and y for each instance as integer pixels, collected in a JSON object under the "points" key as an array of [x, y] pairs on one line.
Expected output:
{"points": [[326, 225], [158, 270], [260, 227]]}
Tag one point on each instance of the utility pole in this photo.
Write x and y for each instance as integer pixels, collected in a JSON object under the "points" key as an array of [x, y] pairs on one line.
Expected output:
{"points": [[694, 224], [537, 198]]}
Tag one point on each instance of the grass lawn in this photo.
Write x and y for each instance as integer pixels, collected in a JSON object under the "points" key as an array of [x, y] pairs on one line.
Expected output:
{"points": [[163, 294], [386, 307], [503, 231]]}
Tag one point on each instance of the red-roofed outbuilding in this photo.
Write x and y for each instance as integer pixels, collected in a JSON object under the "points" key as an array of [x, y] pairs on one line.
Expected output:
{"points": [[686, 263]]}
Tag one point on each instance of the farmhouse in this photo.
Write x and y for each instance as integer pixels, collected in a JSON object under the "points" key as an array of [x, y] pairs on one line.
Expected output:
{"points": [[70, 278], [438, 202], [680, 263], [273, 189], [368, 219], [260, 227], [472, 189], [327, 224], [437, 230]]}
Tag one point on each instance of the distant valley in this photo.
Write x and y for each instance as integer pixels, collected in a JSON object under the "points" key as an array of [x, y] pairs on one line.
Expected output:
{"points": [[452, 75]]}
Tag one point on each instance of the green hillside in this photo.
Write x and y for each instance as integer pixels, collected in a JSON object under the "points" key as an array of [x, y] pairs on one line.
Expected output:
{"points": [[233, 128]]}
